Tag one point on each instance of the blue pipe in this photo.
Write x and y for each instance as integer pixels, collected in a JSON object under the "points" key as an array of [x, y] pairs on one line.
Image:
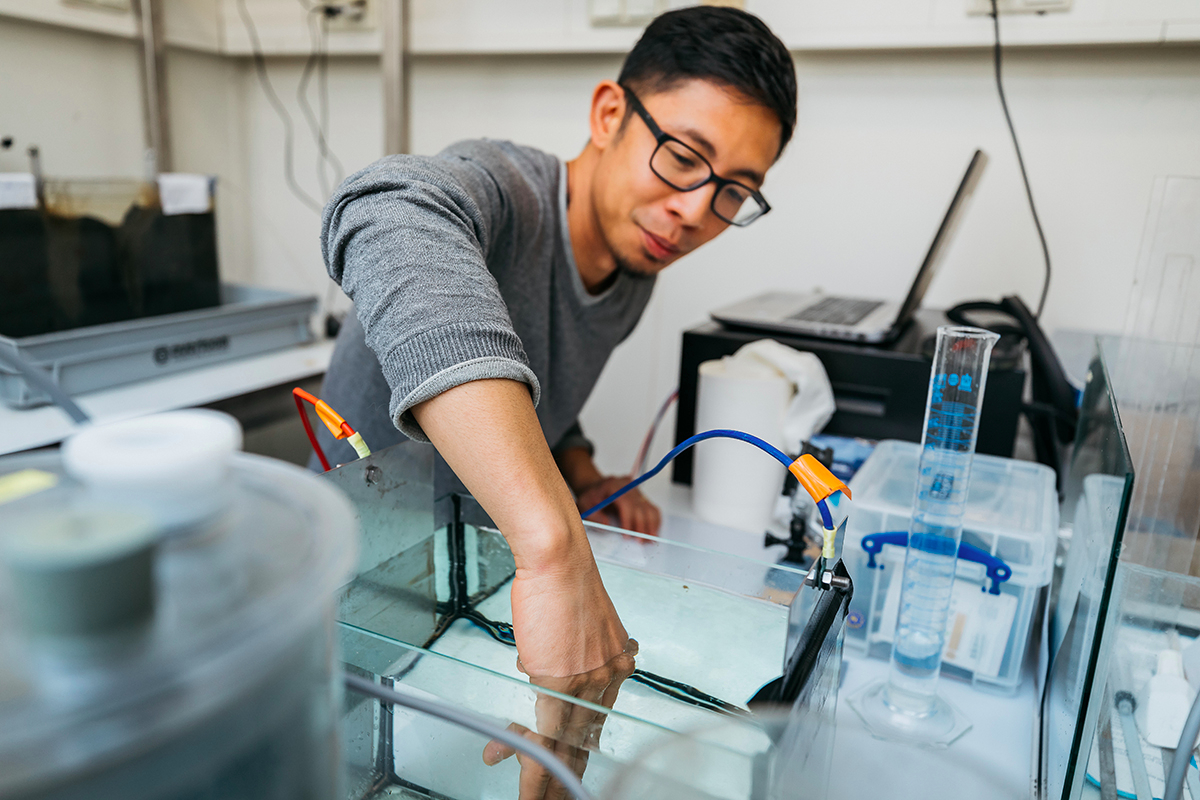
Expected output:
{"points": [[767, 447]]}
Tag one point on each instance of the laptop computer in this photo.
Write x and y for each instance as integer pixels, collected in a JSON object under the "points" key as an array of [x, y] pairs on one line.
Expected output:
{"points": [[852, 318]]}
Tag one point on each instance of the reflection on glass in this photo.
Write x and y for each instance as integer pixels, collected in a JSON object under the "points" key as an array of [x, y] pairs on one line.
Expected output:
{"points": [[1095, 506], [568, 730], [427, 757]]}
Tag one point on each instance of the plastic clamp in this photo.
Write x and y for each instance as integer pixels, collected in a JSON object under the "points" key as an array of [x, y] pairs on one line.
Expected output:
{"points": [[816, 478], [997, 570]]}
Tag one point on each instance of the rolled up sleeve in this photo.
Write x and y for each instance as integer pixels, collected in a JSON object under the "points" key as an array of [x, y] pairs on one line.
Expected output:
{"points": [[407, 239]]}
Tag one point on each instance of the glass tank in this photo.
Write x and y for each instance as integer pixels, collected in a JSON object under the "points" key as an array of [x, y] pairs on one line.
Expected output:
{"points": [[430, 613]]}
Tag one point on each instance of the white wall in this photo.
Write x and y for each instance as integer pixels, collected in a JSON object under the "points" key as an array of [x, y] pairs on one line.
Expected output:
{"points": [[881, 142], [73, 94], [285, 245], [76, 96]]}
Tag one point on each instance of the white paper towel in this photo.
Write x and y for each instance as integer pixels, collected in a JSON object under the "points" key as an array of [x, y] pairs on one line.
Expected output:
{"points": [[734, 483], [767, 389], [812, 405]]}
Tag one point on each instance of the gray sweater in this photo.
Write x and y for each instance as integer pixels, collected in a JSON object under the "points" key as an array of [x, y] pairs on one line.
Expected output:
{"points": [[460, 268]]}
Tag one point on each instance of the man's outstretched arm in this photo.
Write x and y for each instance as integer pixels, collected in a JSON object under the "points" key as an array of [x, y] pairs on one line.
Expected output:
{"points": [[488, 432]]}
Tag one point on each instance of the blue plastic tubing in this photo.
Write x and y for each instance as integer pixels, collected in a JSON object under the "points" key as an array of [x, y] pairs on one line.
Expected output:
{"points": [[719, 433]]}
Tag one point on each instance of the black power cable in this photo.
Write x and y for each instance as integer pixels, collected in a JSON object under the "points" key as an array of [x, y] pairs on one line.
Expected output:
{"points": [[462, 606], [319, 15], [318, 121], [264, 79], [503, 632], [1020, 160]]}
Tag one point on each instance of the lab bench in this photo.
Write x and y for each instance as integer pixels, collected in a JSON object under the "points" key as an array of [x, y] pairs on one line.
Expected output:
{"points": [[217, 386], [994, 759]]}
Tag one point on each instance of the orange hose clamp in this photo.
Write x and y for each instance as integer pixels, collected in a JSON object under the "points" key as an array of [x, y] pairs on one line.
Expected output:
{"points": [[818, 481], [337, 426]]}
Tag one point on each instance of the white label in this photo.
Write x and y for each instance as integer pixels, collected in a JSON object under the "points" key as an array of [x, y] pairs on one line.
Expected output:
{"points": [[977, 626], [17, 190], [185, 194]]}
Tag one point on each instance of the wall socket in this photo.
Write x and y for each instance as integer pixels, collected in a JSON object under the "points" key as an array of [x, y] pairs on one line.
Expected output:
{"points": [[351, 16], [624, 13], [977, 8]]}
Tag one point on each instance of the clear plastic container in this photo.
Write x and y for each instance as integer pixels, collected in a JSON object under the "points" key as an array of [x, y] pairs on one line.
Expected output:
{"points": [[102, 251], [1011, 513], [218, 682], [712, 630]]}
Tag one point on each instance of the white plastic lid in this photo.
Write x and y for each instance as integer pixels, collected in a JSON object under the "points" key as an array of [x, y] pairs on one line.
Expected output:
{"points": [[175, 464]]}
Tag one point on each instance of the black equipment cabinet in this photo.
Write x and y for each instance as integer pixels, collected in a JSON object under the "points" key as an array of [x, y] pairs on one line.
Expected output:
{"points": [[880, 390]]}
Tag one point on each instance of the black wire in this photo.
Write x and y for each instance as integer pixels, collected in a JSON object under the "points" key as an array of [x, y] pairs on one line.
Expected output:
{"points": [[314, 57], [1020, 160], [323, 104], [690, 694], [260, 68], [318, 123], [503, 632], [318, 60]]}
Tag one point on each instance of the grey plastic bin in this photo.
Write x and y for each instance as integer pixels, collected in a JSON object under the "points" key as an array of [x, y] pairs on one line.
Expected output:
{"points": [[248, 322]]}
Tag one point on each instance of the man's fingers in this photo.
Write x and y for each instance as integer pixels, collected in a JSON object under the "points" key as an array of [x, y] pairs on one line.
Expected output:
{"points": [[655, 519], [649, 520], [625, 513], [607, 516], [494, 752]]}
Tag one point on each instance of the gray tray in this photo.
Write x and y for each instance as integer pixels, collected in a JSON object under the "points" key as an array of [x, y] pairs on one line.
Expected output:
{"points": [[249, 321]]}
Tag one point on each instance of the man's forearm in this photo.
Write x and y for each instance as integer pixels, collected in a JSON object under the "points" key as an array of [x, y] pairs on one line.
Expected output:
{"points": [[488, 432], [563, 619]]}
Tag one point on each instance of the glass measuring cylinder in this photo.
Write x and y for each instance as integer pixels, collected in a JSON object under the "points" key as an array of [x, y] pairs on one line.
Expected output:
{"points": [[956, 387]]}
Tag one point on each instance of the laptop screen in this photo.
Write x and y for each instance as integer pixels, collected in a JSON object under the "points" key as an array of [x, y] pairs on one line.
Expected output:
{"points": [[945, 233]]}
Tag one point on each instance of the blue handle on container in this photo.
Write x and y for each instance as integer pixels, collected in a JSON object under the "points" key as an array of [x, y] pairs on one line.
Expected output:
{"points": [[997, 570]]}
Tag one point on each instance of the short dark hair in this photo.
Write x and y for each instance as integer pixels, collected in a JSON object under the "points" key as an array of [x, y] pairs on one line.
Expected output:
{"points": [[719, 44]]}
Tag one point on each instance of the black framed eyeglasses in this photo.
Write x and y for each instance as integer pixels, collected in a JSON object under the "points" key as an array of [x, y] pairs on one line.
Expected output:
{"points": [[679, 166]]}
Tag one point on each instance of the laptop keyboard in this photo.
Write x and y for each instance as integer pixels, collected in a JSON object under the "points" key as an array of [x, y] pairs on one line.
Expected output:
{"points": [[837, 311]]}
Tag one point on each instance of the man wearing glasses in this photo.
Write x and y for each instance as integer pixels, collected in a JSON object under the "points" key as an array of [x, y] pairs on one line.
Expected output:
{"points": [[491, 283]]}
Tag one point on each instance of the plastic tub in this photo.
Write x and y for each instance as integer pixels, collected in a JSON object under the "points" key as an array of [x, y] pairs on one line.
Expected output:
{"points": [[249, 321], [1012, 514], [223, 687]]}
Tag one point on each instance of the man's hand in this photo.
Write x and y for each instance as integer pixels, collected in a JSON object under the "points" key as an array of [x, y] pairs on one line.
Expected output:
{"points": [[631, 511], [563, 619], [562, 615], [568, 730]]}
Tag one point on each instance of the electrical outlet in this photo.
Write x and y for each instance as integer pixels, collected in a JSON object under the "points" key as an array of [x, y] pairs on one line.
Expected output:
{"points": [[624, 13], [350, 16], [105, 5], [976, 8]]}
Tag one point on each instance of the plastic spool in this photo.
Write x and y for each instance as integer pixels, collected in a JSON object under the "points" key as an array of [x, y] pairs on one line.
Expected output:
{"points": [[78, 575], [175, 465], [226, 686]]}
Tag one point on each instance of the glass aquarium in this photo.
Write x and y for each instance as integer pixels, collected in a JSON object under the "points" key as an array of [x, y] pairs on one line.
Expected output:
{"points": [[430, 613], [1096, 503]]}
